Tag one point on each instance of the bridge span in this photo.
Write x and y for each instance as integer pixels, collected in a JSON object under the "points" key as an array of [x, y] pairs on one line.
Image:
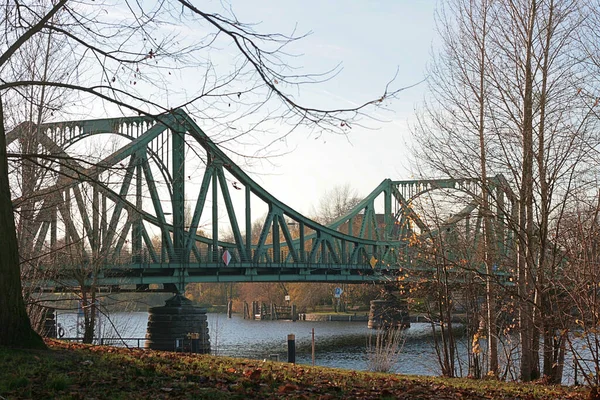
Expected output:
{"points": [[166, 207]]}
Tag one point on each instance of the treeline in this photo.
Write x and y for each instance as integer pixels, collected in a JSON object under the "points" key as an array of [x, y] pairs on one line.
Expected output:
{"points": [[306, 296]]}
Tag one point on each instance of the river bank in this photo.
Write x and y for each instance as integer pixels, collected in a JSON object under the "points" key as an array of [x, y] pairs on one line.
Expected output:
{"points": [[335, 317], [75, 371], [364, 317]]}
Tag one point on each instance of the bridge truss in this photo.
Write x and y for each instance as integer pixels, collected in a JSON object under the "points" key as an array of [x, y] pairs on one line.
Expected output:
{"points": [[167, 207]]}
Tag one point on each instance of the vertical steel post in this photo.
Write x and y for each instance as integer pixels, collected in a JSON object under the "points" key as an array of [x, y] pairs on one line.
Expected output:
{"points": [[276, 241], [302, 251], [177, 157], [313, 347], [103, 221], [248, 225], [54, 225], [215, 216], [95, 237], [368, 217], [500, 229], [136, 229], [387, 220]]}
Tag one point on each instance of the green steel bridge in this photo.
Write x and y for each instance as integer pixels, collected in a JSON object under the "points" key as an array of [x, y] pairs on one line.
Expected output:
{"points": [[166, 207]]}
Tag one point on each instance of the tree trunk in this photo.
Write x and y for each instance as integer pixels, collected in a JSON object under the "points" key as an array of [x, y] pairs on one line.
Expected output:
{"points": [[15, 327], [488, 253], [89, 313], [529, 360], [552, 348]]}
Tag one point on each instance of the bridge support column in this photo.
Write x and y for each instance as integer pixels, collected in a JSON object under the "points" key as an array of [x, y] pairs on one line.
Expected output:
{"points": [[178, 326], [389, 312]]}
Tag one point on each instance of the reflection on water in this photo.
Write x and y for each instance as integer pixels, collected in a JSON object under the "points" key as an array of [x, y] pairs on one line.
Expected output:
{"points": [[338, 344]]}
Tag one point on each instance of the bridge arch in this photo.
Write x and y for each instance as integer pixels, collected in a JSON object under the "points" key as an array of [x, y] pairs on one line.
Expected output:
{"points": [[120, 219]]}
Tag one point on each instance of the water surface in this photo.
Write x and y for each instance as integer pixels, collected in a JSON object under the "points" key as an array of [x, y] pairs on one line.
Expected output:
{"points": [[337, 344]]}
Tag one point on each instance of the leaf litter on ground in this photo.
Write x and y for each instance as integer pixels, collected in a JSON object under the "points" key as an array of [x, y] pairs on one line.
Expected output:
{"points": [[77, 371]]}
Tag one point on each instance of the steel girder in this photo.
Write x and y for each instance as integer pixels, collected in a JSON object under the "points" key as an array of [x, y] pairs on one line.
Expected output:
{"points": [[135, 230]]}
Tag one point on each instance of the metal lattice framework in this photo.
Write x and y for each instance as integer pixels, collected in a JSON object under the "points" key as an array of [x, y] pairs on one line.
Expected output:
{"points": [[127, 215]]}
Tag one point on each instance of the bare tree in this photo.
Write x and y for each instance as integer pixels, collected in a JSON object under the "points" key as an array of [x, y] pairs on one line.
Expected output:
{"points": [[580, 300], [503, 102], [335, 203], [460, 88], [122, 58], [40, 59]]}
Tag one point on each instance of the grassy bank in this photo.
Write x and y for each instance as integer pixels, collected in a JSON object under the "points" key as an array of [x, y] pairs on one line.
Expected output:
{"points": [[74, 371]]}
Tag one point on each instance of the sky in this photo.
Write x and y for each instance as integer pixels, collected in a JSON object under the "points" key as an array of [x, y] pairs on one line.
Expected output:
{"points": [[372, 40]]}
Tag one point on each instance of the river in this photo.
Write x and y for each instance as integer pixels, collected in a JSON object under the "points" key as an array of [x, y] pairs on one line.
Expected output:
{"points": [[337, 344]]}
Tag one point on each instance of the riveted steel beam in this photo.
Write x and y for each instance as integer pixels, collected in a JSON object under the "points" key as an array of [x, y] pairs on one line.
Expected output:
{"points": [[318, 253]]}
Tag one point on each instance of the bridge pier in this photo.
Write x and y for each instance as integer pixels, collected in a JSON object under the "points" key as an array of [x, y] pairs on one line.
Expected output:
{"points": [[389, 312], [178, 326]]}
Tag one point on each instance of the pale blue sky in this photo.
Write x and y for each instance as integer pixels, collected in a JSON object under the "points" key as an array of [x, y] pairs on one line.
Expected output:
{"points": [[372, 39]]}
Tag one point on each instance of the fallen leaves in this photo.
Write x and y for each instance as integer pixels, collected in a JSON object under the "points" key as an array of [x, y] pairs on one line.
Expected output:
{"points": [[288, 387], [253, 375], [95, 372]]}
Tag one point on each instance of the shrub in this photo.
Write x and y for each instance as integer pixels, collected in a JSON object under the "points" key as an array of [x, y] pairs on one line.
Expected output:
{"points": [[384, 350]]}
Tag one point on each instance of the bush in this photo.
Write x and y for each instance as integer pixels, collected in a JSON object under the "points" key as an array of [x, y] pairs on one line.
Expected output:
{"points": [[384, 351]]}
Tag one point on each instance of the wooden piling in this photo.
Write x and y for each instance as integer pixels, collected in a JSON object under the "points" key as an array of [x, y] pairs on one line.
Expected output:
{"points": [[246, 311], [313, 347], [292, 348]]}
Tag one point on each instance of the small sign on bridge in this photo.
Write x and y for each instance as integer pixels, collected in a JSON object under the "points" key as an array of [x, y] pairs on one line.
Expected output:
{"points": [[226, 257], [373, 261]]}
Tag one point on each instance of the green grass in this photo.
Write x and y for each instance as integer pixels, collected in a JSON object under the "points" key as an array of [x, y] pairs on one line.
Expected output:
{"points": [[57, 382], [73, 371]]}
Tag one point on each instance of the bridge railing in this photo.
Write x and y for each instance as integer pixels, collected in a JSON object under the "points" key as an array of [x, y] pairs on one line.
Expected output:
{"points": [[209, 257]]}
